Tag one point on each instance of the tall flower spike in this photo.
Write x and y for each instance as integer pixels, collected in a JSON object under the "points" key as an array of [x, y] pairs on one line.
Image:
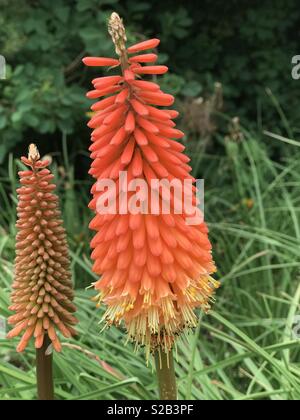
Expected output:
{"points": [[42, 289], [155, 269]]}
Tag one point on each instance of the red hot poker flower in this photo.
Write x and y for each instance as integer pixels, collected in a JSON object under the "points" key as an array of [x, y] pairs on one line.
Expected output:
{"points": [[42, 289], [155, 269]]}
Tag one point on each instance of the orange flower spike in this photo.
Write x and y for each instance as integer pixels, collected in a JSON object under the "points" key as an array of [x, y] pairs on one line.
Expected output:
{"points": [[155, 268], [42, 289], [100, 61]]}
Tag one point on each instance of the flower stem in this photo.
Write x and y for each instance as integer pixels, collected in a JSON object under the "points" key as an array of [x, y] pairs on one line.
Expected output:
{"points": [[44, 372], [166, 375]]}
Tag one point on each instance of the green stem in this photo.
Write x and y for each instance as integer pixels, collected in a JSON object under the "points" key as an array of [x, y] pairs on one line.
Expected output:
{"points": [[44, 372], [166, 375]]}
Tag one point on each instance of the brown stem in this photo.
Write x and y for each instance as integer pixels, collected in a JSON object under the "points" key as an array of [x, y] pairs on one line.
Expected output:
{"points": [[166, 375], [44, 372]]}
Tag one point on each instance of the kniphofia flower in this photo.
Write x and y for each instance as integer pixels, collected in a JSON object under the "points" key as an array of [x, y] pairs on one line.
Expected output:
{"points": [[42, 289], [155, 269]]}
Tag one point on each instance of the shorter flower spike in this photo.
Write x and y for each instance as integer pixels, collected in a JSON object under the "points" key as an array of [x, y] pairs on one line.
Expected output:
{"points": [[42, 289]]}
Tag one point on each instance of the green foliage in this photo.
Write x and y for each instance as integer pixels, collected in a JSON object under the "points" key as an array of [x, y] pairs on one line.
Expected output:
{"points": [[43, 43]]}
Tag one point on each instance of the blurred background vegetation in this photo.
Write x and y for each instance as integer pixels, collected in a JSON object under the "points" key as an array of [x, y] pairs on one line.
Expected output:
{"points": [[230, 69]]}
